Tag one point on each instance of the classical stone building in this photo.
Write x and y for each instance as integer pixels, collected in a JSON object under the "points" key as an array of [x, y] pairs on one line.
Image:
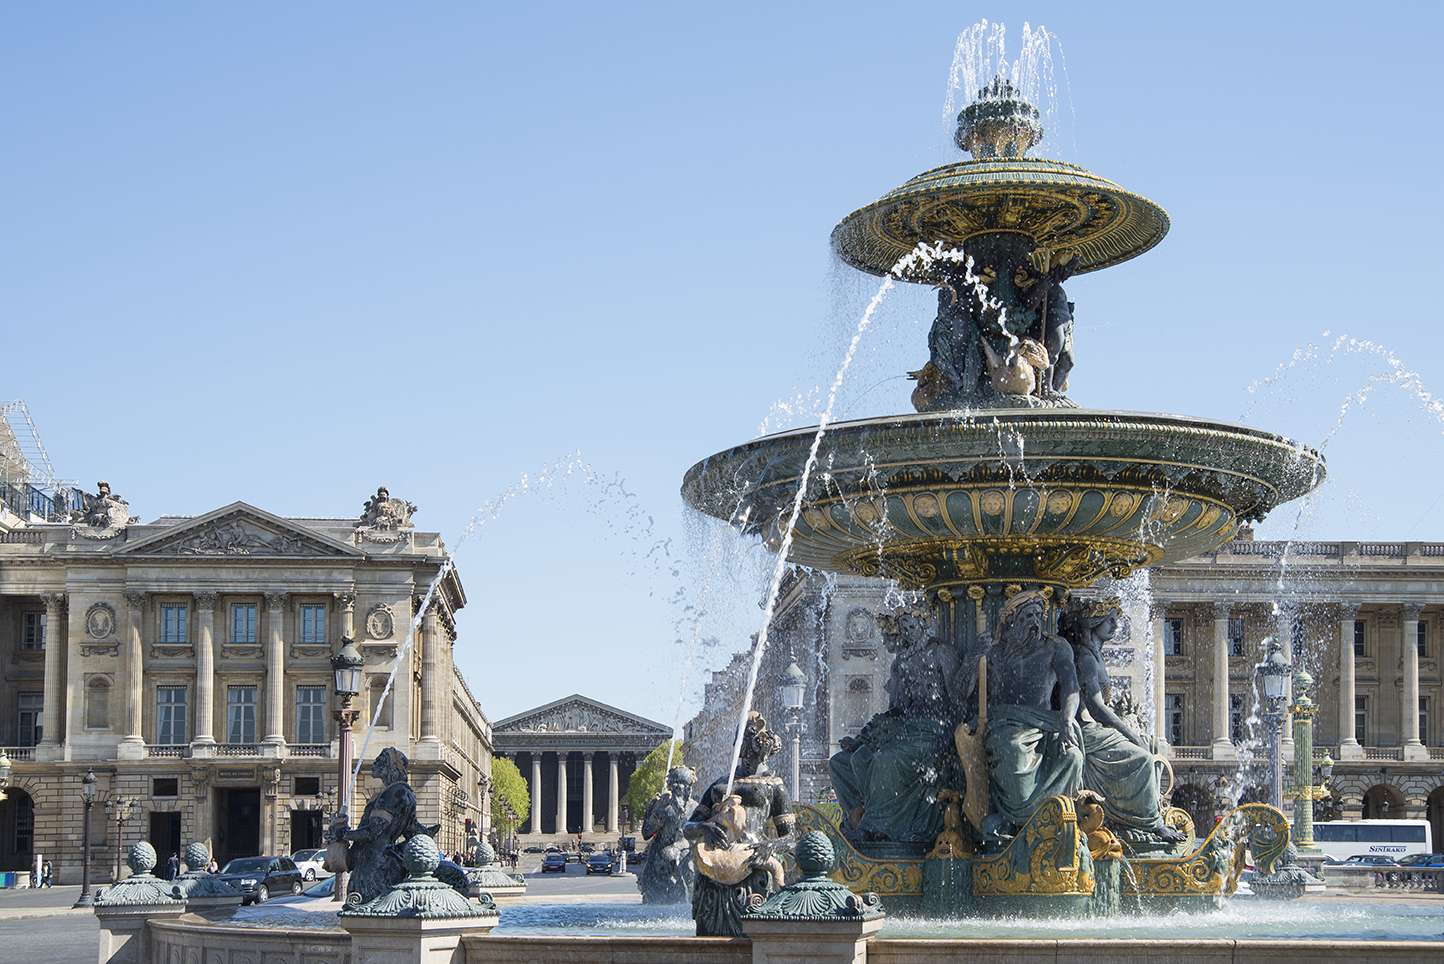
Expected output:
{"points": [[577, 755], [1365, 619], [186, 661]]}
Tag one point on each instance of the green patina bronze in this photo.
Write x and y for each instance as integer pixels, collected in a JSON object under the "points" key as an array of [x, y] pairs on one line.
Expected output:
{"points": [[816, 897]]}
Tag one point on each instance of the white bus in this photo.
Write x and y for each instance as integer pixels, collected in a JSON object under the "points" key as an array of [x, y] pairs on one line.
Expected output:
{"points": [[1342, 839]]}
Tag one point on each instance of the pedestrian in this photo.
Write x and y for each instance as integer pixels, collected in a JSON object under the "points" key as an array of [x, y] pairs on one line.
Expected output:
{"points": [[47, 875]]}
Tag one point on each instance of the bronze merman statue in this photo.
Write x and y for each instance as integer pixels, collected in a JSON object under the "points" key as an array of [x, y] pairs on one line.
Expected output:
{"points": [[667, 876], [1118, 763], [374, 853], [729, 834]]}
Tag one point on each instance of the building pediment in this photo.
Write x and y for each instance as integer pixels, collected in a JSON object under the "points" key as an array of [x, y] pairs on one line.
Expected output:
{"points": [[579, 715], [239, 530]]}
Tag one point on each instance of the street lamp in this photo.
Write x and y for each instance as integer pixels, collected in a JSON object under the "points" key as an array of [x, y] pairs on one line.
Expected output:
{"points": [[1272, 676], [87, 798], [346, 665], [794, 682], [121, 808]]}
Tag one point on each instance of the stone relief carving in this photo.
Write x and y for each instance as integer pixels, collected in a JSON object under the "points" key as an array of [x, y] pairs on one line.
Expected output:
{"points": [[100, 621], [380, 624], [576, 718], [104, 515], [237, 538], [860, 625], [385, 514]]}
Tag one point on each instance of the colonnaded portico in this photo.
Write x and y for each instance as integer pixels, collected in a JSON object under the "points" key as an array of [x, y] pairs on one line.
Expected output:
{"points": [[577, 755]]}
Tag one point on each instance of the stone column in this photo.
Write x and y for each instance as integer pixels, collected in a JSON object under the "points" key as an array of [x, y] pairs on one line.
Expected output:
{"points": [[275, 669], [536, 791], [1284, 633], [561, 791], [132, 744], [346, 603], [431, 643], [1160, 665], [50, 709], [586, 793], [204, 739], [614, 784], [1349, 748], [1409, 655], [1223, 748]]}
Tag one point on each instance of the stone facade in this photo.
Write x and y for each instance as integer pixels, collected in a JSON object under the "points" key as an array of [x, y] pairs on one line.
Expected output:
{"points": [[186, 661], [1205, 614], [577, 755]]}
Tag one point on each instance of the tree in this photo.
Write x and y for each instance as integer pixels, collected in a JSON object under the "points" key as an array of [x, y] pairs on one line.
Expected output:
{"points": [[510, 799], [650, 777]]}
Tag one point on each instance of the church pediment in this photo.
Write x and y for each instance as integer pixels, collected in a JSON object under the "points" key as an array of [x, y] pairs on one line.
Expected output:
{"points": [[239, 530], [580, 715]]}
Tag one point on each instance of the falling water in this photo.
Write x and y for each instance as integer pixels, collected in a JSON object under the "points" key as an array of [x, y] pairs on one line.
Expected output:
{"points": [[981, 54]]}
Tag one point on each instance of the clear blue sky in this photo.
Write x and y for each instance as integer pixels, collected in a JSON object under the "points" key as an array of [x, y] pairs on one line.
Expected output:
{"points": [[283, 253]]}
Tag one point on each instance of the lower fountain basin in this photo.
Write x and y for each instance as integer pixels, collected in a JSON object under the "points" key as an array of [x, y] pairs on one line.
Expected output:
{"points": [[1059, 496]]}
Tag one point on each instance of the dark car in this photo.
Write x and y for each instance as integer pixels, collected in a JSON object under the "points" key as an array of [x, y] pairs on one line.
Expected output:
{"points": [[635, 858], [534, 849], [258, 878], [601, 862], [554, 861], [1372, 860]]}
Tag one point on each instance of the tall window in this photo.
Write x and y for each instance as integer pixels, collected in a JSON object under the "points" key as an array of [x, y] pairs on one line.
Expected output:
{"points": [[1237, 717], [1173, 718], [174, 623], [28, 710], [243, 622], [32, 630], [310, 714], [1235, 636], [1296, 634], [1421, 638], [377, 686], [1424, 720], [1173, 637], [313, 623], [240, 714], [170, 716], [1361, 719], [1359, 638]]}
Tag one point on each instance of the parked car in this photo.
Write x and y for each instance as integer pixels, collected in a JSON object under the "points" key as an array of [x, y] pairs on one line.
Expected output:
{"points": [[601, 862], [1372, 860], [554, 861], [257, 878], [534, 849], [1421, 860], [311, 863], [588, 848]]}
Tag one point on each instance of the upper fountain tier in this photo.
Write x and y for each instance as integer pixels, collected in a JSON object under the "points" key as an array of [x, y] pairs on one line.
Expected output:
{"points": [[1071, 215]]}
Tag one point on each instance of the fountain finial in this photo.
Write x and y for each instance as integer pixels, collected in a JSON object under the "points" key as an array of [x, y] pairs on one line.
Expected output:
{"points": [[998, 123]]}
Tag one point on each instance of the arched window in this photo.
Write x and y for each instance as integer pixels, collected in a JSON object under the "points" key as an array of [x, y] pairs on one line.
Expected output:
{"points": [[97, 703]]}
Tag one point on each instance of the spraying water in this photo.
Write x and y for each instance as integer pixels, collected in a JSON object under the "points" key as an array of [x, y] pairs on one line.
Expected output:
{"points": [[981, 54]]}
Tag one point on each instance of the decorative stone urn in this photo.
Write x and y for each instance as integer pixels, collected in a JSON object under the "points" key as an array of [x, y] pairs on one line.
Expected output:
{"points": [[489, 875], [421, 919], [123, 909], [815, 920], [205, 893]]}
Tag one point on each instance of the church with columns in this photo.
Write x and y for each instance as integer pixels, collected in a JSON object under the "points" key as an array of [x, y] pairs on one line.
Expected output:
{"points": [[577, 755], [1365, 619], [186, 662]]}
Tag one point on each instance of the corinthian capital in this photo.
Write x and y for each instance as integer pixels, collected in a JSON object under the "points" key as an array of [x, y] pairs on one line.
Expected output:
{"points": [[54, 602], [276, 601], [135, 599], [205, 601]]}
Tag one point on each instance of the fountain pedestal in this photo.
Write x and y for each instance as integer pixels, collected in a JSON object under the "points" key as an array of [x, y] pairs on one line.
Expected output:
{"points": [[815, 920]]}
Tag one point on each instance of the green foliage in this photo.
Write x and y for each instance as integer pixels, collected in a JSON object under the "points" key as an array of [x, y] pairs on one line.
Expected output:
{"points": [[650, 777], [508, 787]]}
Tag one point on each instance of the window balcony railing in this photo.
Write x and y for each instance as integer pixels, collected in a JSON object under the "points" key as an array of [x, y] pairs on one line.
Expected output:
{"points": [[162, 751], [20, 754], [1190, 752], [309, 749], [1383, 753], [238, 749]]}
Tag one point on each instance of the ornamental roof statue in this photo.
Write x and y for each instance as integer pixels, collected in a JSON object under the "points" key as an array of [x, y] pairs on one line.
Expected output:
{"points": [[383, 512]]}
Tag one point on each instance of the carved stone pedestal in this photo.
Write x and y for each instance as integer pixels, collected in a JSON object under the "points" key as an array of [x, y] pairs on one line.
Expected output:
{"points": [[816, 920], [123, 910]]}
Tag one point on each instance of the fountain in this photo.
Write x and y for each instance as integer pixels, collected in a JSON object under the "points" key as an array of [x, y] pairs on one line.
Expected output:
{"points": [[1004, 503]]}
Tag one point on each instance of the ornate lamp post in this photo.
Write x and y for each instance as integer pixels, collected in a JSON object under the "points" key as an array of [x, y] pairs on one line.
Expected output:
{"points": [[87, 799], [794, 682], [121, 808], [1305, 790], [1272, 674], [346, 664]]}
